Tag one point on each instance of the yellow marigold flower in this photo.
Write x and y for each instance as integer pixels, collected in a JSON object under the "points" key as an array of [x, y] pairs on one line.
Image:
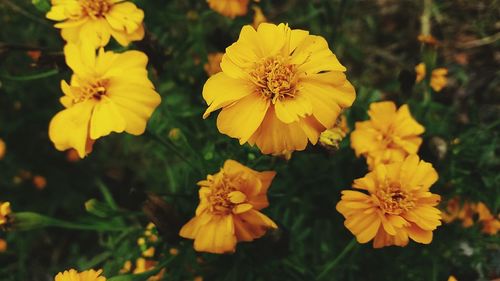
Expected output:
{"points": [[95, 21], [229, 209], [398, 205], [258, 16], [331, 138], [142, 265], [212, 66], [229, 8], [420, 71], [108, 93], [452, 278], [389, 136], [278, 88], [439, 79], [3, 246], [3, 148], [73, 275], [4, 213]]}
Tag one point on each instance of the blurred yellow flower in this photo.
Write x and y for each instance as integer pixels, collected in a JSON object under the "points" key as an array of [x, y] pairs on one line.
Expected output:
{"points": [[389, 136], [229, 8], [331, 138], [278, 88], [258, 16], [420, 71], [212, 66], [3, 245], [452, 278], [108, 93], [398, 205], [4, 213], [229, 208], [3, 148], [73, 275], [95, 21], [439, 79]]}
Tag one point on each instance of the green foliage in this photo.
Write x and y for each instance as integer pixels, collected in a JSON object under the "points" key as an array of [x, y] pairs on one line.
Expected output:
{"points": [[92, 211]]}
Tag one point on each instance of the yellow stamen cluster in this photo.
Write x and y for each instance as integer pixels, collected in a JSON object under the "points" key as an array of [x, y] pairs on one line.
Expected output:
{"points": [[224, 196], [393, 200], [275, 78], [95, 8], [91, 89]]}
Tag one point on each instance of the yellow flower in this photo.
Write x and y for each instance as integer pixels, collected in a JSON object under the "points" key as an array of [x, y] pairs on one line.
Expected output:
{"points": [[3, 245], [108, 93], [73, 275], [420, 71], [278, 88], [4, 213], [229, 209], [452, 278], [212, 66], [142, 265], [439, 79], [331, 138], [3, 148], [95, 21], [491, 225], [258, 16], [398, 205], [229, 8], [389, 136]]}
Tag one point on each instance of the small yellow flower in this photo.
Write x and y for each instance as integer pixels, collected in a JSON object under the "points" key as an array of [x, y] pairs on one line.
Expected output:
{"points": [[279, 88], [3, 245], [73, 275], [229, 209], [108, 93], [142, 265], [258, 17], [229, 8], [331, 138], [5, 211], [420, 71], [439, 79], [212, 66], [95, 21], [389, 136], [3, 149], [452, 278], [398, 205]]}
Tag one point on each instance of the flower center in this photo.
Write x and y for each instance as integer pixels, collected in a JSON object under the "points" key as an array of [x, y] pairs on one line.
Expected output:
{"points": [[95, 8], [395, 201], [275, 78], [225, 196], [91, 90]]}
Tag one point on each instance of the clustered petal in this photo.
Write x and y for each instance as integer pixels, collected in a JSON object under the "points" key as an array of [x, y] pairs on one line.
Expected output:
{"points": [[229, 209], [108, 92], [279, 88], [389, 136], [95, 21], [397, 205], [229, 8], [4, 213], [73, 275]]}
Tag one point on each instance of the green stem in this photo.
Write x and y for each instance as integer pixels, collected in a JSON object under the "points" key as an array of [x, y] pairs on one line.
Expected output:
{"points": [[30, 77], [332, 264]]}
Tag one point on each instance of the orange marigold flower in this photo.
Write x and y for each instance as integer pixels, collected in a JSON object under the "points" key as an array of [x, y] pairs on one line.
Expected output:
{"points": [[212, 66], [420, 71], [439, 79], [491, 224], [95, 21], [229, 208], [108, 93], [3, 148], [466, 214], [229, 8], [398, 205], [278, 88], [73, 275], [389, 136], [3, 245], [5, 211], [452, 210]]}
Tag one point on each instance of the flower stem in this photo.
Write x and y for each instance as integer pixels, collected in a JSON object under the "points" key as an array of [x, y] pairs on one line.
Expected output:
{"points": [[332, 264], [30, 77]]}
